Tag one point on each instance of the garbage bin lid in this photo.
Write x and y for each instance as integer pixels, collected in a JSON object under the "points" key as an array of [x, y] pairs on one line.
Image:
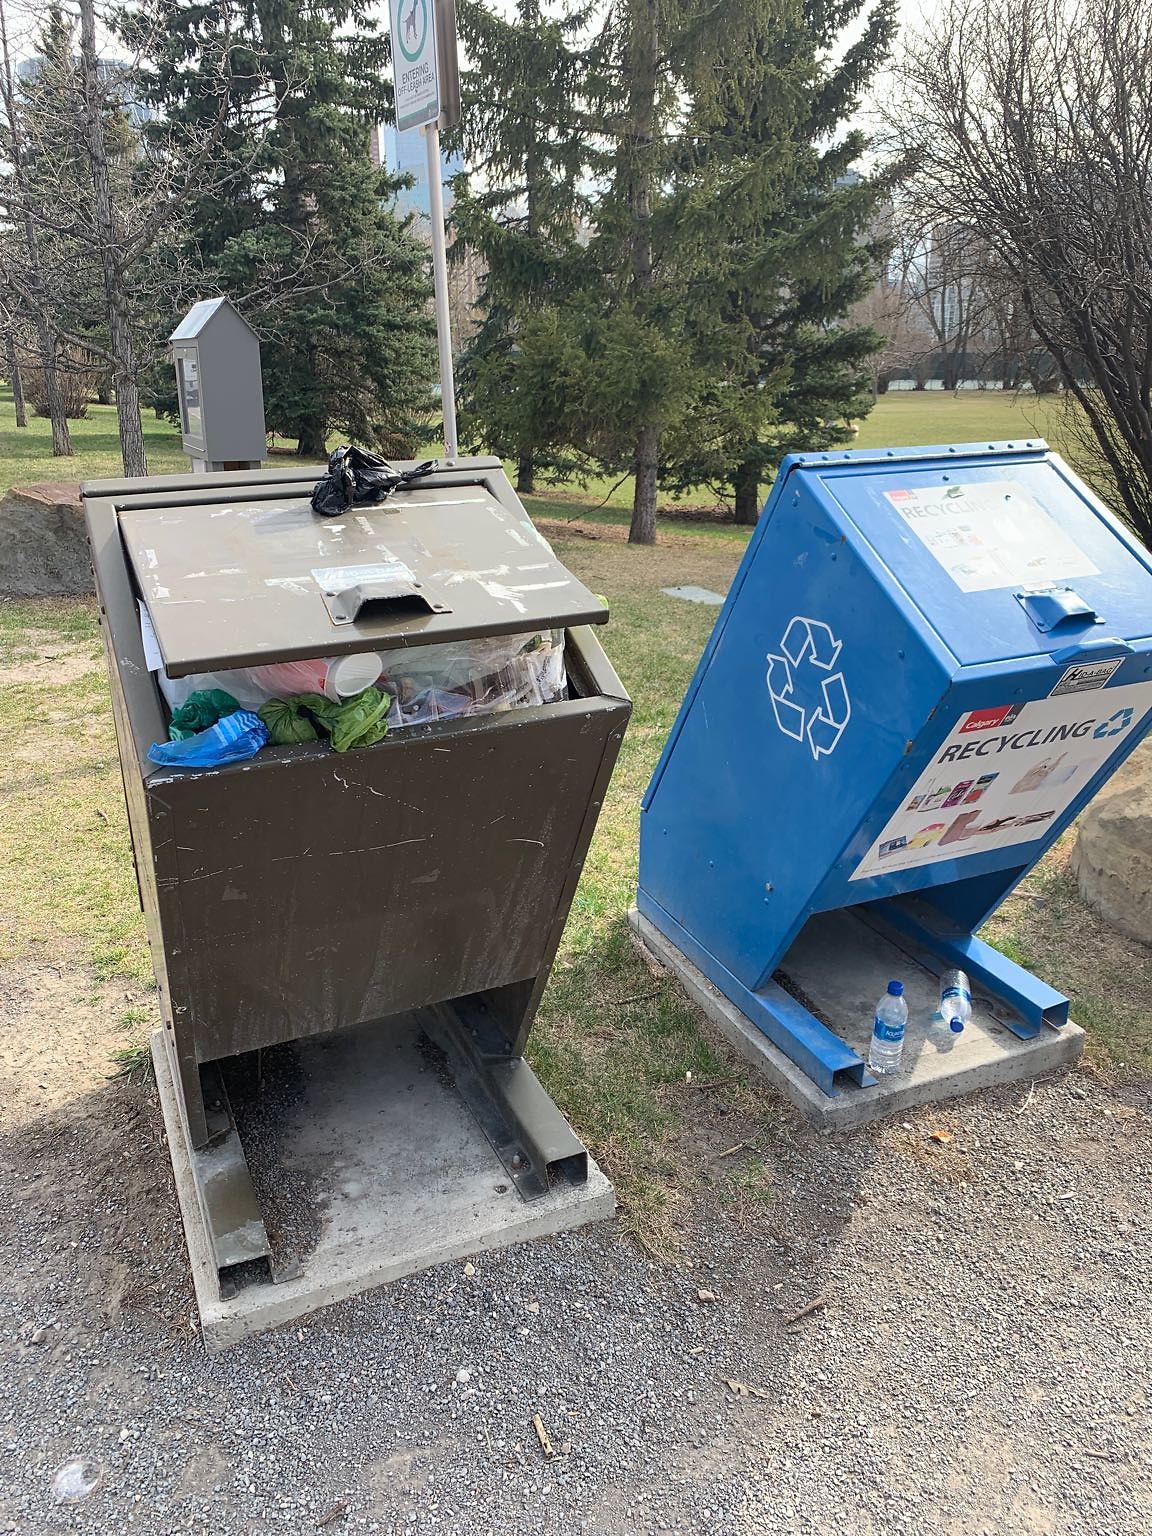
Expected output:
{"points": [[242, 582]]}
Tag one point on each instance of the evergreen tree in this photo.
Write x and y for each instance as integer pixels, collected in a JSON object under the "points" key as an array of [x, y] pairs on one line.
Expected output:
{"points": [[523, 134], [298, 227], [623, 338], [794, 255], [644, 339], [693, 328]]}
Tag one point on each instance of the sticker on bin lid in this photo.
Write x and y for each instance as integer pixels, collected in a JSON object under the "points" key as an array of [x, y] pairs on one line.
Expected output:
{"points": [[992, 534], [338, 578], [1085, 676]]}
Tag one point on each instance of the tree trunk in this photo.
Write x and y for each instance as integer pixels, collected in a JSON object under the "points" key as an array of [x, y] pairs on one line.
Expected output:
{"points": [[17, 380], [643, 72], [45, 332], [111, 263], [643, 529], [61, 434], [747, 483], [526, 474], [313, 440]]}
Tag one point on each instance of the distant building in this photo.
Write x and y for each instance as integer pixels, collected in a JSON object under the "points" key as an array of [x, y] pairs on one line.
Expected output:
{"points": [[403, 154], [111, 72]]}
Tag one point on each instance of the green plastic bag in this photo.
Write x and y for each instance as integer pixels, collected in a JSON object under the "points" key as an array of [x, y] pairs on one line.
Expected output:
{"points": [[360, 721], [199, 711], [287, 726]]}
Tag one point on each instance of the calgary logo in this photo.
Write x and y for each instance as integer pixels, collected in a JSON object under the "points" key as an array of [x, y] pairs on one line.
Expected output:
{"points": [[803, 672]]}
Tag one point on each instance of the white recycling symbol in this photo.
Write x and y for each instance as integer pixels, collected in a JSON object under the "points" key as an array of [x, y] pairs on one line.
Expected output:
{"points": [[809, 643]]}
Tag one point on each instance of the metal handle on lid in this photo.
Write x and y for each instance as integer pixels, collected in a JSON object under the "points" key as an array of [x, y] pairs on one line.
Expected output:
{"points": [[1052, 607], [389, 599]]}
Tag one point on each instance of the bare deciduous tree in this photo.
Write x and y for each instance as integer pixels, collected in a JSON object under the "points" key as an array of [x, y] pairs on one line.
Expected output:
{"points": [[15, 371], [93, 198], [27, 239], [1030, 123]]}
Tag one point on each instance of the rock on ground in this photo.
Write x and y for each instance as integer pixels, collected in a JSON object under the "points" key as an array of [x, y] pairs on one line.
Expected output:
{"points": [[43, 542], [1112, 859]]}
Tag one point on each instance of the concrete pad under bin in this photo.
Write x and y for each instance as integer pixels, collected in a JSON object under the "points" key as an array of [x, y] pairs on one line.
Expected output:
{"points": [[403, 1176], [840, 967]]}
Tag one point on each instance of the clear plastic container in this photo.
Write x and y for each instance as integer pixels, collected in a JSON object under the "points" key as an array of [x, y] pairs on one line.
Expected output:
{"points": [[886, 1052], [955, 1000], [475, 677]]}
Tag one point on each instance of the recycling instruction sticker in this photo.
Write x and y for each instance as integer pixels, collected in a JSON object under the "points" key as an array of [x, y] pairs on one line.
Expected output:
{"points": [[1004, 775], [991, 534]]}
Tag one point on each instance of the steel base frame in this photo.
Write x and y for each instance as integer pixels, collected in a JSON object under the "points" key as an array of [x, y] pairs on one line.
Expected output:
{"points": [[829, 1061], [529, 1135]]}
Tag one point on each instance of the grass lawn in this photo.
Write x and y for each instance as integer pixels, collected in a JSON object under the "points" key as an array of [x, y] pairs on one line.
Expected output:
{"points": [[901, 419], [620, 1050], [26, 453], [905, 419]]}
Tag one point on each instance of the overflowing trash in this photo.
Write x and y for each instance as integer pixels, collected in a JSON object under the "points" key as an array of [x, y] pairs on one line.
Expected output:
{"points": [[358, 722], [202, 708], [354, 700], [231, 740], [288, 723], [477, 677]]}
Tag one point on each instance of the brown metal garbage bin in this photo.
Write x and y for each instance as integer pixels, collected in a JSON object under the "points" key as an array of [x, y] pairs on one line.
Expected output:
{"points": [[305, 890]]}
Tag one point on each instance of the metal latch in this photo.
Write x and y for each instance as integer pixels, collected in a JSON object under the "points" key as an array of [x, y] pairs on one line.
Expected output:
{"points": [[1050, 607], [388, 591]]}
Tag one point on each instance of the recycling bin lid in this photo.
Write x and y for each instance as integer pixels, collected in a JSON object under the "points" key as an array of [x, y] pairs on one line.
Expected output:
{"points": [[242, 582], [1002, 549]]}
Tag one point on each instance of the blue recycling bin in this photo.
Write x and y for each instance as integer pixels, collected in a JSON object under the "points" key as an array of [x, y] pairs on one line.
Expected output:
{"points": [[929, 661]]}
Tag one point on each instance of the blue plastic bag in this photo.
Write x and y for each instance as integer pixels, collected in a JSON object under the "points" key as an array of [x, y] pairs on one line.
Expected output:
{"points": [[230, 740]]}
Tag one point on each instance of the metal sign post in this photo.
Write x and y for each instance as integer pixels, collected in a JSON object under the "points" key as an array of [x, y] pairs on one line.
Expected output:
{"points": [[427, 95]]}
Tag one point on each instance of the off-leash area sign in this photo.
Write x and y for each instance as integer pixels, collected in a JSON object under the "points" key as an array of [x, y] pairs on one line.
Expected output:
{"points": [[415, 62]]}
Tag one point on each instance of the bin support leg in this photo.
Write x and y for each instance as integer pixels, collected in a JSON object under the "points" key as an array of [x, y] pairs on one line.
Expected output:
{"points": [[224, 1184], [1035, 1003], [527, 1132], [820, 1054], [191, 1091], [227, 1198]]}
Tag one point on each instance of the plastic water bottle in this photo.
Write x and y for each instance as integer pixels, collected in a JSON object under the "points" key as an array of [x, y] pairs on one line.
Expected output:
{"points": [[955, 1000], [887, 1049]]}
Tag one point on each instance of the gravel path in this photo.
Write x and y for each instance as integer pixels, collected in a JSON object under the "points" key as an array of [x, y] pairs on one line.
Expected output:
{"points": [[979, 1365]]}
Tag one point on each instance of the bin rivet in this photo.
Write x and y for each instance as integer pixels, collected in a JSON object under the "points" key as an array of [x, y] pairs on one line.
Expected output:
{"points": [[518, 1160], [768, 885]]}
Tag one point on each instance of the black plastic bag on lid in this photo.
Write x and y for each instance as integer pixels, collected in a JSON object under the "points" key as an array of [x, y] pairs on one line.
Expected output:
{"points": [[357, 477]]}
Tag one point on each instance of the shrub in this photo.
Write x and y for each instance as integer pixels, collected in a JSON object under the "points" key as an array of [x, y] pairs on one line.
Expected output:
{"points": [[78, 383]]}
